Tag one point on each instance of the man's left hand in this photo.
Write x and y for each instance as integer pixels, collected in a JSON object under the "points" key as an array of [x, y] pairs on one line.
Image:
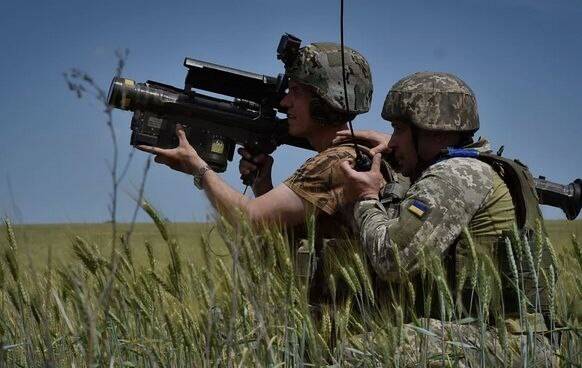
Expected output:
{"points": [[183, 158], [362, 184]]}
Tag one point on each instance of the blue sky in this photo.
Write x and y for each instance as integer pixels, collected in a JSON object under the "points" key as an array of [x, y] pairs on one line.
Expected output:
{"points": [[522, 58]]}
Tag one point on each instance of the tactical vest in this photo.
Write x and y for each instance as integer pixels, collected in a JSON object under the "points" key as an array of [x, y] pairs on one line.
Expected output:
{"points": [[533, 264]]}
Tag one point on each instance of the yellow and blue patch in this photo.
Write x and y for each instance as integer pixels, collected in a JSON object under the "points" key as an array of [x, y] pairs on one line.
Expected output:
{"points": [[418, 208]]}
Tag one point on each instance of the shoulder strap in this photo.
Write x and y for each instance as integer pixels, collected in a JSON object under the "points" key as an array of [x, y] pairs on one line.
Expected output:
{"points": [[518, 179], [521, 186]]}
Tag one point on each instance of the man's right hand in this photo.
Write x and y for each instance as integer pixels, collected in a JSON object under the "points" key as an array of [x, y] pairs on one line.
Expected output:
{"points": [[360, 185], [261, 164], [378, 141]]}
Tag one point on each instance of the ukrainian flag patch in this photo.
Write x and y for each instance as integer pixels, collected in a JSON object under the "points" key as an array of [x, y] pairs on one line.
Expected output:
{"points": [[418, 208]]}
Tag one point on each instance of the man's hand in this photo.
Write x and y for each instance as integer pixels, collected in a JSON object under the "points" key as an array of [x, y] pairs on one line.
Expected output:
{"points": [[366, 184], [183, 158], [378, 141], [262, 165]]}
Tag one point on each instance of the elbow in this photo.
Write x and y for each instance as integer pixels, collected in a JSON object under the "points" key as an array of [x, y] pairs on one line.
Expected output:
{"points": [[384, 256]]}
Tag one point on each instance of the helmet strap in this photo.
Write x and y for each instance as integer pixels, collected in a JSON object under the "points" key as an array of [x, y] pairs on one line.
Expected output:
{"points": [[414, 131]]}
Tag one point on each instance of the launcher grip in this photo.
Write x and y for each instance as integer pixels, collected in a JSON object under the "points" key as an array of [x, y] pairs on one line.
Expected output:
{"points": [[249, 179]]}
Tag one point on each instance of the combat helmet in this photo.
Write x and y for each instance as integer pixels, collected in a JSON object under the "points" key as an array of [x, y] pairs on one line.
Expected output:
{"points": [[319, 65], [433, 101]]}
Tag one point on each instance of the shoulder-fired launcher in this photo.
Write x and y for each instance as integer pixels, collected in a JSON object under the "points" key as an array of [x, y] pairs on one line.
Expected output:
{"points": [[214, 126]]}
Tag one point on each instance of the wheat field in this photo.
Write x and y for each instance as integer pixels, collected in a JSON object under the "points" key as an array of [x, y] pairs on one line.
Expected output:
{"points": [[213, 295]]}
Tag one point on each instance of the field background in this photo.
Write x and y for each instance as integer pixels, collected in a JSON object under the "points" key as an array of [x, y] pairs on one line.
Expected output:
{"points": [[35, 240], [193, 301]]}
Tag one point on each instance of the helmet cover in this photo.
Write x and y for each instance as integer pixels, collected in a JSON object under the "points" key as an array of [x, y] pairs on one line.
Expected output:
{"points": [[433, 101], [319, 66]]}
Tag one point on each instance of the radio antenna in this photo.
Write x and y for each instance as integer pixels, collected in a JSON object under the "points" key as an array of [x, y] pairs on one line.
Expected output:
{"points": [[362, 162]]}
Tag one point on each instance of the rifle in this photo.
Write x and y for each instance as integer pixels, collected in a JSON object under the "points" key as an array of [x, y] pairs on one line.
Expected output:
{"points": [[213, 126]]}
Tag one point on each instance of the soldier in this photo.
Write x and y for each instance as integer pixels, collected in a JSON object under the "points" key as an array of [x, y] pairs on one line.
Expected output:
{"points": [[316, 111], [455, 185]]}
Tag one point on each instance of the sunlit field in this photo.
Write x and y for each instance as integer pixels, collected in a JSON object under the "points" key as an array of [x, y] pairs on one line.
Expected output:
{"points": [[35, 240], [204, 295]]}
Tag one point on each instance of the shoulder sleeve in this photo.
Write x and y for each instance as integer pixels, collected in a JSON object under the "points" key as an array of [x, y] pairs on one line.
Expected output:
{"points": [[319, 180], [432, 215]]}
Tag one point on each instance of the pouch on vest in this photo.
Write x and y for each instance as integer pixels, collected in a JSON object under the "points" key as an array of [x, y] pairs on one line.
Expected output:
{"points": [[305, 262]]}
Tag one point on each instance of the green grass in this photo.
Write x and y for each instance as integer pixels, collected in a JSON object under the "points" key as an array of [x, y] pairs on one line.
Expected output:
{"points": [[35, 240], [560, 231]]}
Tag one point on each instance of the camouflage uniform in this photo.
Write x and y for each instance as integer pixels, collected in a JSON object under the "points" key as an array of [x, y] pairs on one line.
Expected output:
{"points": [[319, 181], [448, 196]]}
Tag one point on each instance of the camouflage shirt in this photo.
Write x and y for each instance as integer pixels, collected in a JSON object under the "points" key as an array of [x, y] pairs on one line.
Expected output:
{"points": [[449, 195], [319, 180]]}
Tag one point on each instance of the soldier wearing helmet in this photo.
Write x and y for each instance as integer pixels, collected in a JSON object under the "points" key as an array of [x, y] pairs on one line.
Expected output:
{"points": [[430, 113], [316, 111], [453, 187]]}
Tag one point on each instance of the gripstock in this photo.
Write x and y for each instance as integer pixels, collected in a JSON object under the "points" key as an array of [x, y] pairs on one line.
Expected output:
{"points": [[213, 125]]}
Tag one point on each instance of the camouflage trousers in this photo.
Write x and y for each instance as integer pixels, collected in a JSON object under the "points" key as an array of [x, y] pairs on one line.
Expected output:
{"points": [[433, 343]]}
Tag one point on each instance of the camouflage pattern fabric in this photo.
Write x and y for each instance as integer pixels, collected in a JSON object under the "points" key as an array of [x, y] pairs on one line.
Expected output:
{"points": [[445, 199], [433, 101], [319, 66], [433, 343], [319, 180]]}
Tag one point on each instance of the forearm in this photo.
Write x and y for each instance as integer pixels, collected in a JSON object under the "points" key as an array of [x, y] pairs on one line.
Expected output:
{"points": [[223, 197], [280, 205], [373, 223]]}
